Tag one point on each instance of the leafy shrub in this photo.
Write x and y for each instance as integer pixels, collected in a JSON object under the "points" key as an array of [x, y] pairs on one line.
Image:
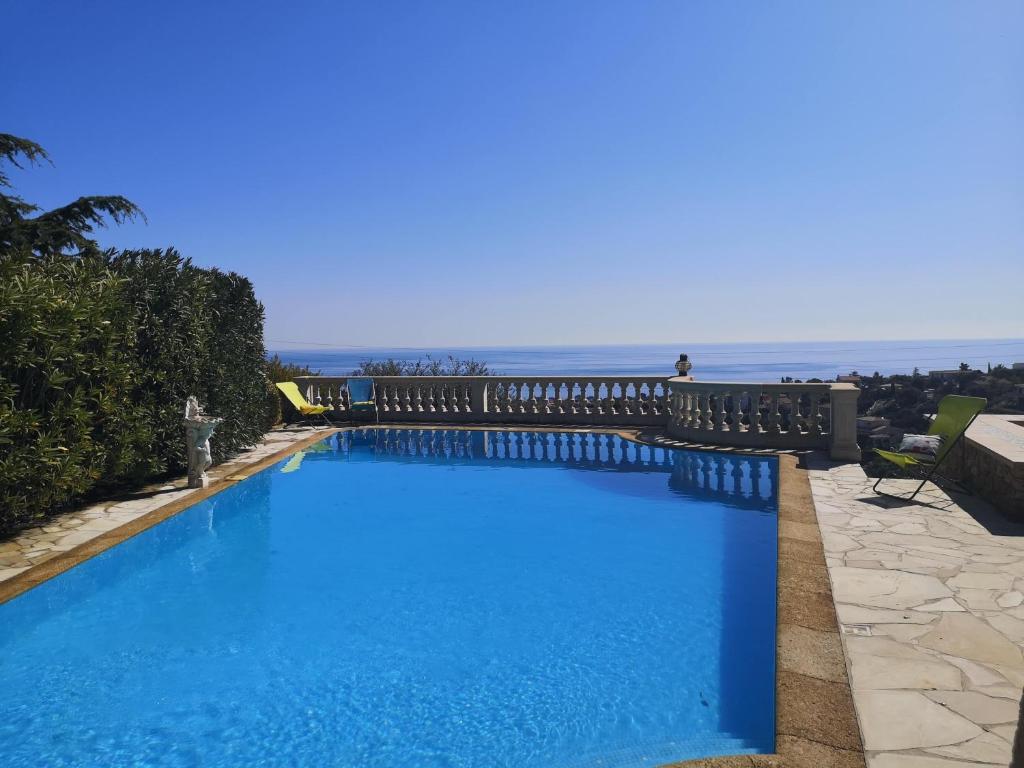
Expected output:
{"points": [[200, 332], [453, 366], [236, 365], [67, 420], [100, 353], [279, 370], [101, 349], [272, 406]]}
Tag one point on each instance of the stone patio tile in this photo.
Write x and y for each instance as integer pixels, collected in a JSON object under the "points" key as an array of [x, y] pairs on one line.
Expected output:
{"points": [[885, 646], [977, 674], [884, 673], [984, 748], [1005, 732], [858, 614], [1017, 568], [1010, 599], [6, 573], [909, 527], [977, 707], [1014, 674], [1009, 626], [997, 559], [889, 556], [838, 542], [967, 636], [101, 525], [969, 580], [895, 720], [75, 538], [895, 760], [979, 599], [926, 565], [945, 604], [864, 523], [950, 556], [1005, 691], [904, 633], [885, 589], [834, 519]]}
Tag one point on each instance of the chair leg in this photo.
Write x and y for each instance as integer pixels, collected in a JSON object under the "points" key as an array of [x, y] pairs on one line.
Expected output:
{"points": [[931, 475], [894, 495]]}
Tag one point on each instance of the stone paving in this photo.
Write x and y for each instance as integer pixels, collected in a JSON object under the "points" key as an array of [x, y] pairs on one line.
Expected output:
{"points": [[930, 601], [65, 532]]}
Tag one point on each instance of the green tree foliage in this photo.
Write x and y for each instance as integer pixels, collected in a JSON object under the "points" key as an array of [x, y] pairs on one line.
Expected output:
{"points": [[452, 366], [67, 421], [199, 332], [58, 231], [279, 370], [101, 349], [235, 375], [99, 356]]}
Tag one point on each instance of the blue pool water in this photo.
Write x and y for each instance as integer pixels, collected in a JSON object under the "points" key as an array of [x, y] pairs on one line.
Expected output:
{"points": [[417, 598]]}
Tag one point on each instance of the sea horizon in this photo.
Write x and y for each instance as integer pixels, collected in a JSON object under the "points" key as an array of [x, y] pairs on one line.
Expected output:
{"points": [[731, 361]]}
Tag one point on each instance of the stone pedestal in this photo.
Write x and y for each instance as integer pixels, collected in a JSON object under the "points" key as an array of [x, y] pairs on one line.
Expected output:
{"points": [[198, 430], [843, 446]]}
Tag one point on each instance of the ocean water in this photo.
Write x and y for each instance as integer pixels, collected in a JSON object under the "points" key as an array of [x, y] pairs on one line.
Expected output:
{"points": [[711, 362], [417, 598]]}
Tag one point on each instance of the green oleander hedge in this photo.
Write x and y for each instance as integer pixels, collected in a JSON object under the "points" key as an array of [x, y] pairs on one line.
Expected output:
{"points": [[97, 355]]}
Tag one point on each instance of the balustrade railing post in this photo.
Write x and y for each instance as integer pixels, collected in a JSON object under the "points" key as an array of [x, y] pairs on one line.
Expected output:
{"points": [[478, 397], [843, 433]]}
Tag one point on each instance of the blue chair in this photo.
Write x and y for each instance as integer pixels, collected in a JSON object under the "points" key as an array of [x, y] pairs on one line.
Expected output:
{"points": [[362, 402]]}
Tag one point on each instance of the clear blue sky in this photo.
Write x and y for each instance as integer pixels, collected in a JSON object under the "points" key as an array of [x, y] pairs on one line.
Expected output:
{"points": [[467, 173]]}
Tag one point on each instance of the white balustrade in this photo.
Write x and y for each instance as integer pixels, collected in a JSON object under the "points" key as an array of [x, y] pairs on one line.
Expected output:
{"points": [[627, 401], [710, 413], [766, 415]]}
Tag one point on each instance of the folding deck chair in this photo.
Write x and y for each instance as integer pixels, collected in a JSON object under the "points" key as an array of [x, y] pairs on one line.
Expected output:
{"points": [[307, 411], [955, 415], [362, 402]]}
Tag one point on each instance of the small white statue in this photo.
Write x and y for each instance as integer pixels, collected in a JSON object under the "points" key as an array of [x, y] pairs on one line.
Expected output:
{"points": [[198, 429]]}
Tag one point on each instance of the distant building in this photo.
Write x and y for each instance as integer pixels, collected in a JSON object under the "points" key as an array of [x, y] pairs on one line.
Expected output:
{"points": [[1018, 366], [849, 378], [945, 375]]}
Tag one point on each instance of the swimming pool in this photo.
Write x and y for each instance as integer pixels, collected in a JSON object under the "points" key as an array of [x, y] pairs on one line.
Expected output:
{"points": [[417, 598]]}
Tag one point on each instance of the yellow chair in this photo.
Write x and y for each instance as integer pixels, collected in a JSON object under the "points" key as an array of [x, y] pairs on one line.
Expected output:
{"points": [[291, 390]]}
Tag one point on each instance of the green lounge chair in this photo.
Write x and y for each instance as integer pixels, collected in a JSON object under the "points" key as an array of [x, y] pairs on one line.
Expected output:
{"points": [[307, 411], [361, 400], [955, 415]]}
